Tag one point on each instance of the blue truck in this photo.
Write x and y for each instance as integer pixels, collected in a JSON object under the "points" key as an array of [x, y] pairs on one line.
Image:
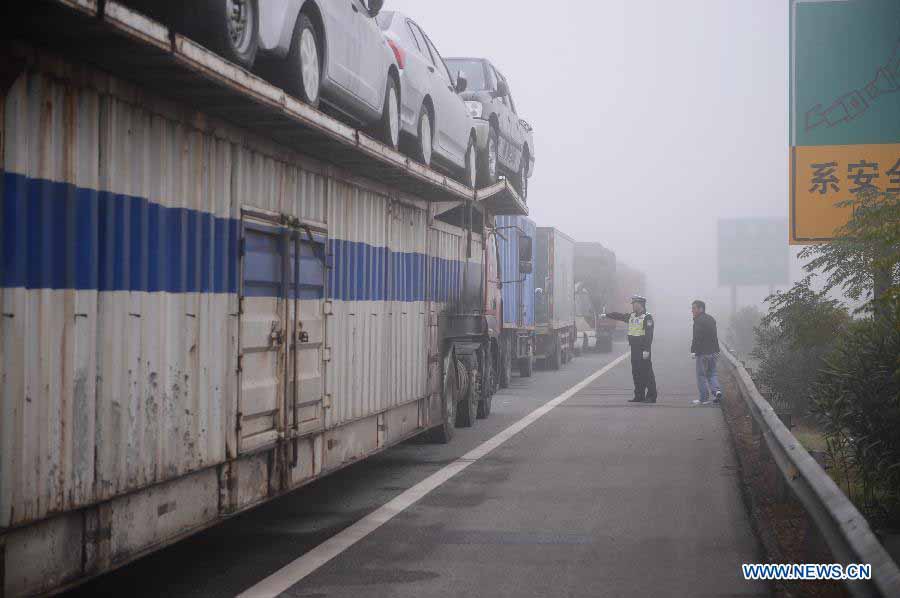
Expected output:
{"points": [[515, 236]]}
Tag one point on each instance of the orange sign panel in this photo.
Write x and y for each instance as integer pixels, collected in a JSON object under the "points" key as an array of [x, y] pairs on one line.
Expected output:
{"points": [[824, 175]]}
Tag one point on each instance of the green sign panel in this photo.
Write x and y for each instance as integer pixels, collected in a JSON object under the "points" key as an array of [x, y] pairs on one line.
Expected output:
{"points": [[845, 72], [753, 251]]}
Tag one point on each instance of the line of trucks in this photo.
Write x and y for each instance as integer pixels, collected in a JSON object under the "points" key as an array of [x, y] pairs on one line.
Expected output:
{"points": [[212, 294]]}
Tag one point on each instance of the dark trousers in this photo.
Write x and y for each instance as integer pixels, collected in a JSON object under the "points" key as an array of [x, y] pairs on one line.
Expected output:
{"points": [[642, 372]]}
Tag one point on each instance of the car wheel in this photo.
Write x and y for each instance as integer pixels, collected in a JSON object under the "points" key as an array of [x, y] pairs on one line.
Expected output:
{"points": [[231, 27], [523, 176], [490, 158], [426, 137], [390, 114], [304, 64], [471, 166]]}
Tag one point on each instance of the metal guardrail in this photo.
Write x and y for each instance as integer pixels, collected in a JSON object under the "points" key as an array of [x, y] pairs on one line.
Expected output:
{"points": [[841, 525]]}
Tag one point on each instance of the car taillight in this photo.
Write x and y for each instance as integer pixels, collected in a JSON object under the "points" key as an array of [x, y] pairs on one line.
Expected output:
{"points": [[398, 53]]}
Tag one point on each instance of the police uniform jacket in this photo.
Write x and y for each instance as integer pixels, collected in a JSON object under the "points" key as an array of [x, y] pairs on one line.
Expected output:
{"points": [[640, 328]]}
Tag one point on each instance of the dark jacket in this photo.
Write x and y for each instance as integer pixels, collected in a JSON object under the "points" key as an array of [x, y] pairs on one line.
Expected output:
{"points": [[706, 339], [642, 342]]}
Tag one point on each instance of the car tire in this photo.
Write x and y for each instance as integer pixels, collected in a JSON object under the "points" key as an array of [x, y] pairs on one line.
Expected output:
{"points": [[471, 172], [489, 162], [303, 66], [231, 28], [522, 176], [425, 140], [389, 127]]}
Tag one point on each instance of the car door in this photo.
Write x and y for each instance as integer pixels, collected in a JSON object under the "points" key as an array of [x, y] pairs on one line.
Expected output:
{"points": [[450, 110], [343, 44], [505, 145], [417, 73], [517, 133], [371, 70]]}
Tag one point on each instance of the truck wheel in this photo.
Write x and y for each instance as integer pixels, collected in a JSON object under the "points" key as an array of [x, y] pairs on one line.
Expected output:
{"points": [[606, 346], [585, 345], [231, 28], [555, 360], [443, 433], [526, 366], [487, 388], [505, 365], [467, 412]]}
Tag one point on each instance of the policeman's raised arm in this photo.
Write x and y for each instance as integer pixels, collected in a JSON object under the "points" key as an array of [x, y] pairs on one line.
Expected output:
{"points": [[614, 315]]}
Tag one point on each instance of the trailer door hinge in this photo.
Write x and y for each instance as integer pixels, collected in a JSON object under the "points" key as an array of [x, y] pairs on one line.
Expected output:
{"points": [[326, 354], [240, 364], [326, 401]]}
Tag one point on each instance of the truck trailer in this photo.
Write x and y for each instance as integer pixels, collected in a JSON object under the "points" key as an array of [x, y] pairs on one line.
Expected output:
{"points": [[554, 297], [515, 236], [595, 271], [211, 294]]}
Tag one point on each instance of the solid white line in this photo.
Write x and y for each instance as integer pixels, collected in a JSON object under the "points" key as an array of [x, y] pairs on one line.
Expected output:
{"points": [[305, 565]]}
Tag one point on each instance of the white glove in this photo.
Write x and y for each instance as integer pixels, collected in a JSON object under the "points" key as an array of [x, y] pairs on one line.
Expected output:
{"points": [[693, 356], [602, 315], [646, 355]]}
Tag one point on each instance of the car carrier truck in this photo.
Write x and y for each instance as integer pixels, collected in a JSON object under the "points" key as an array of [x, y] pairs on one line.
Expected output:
{"points": [[212, 293]]}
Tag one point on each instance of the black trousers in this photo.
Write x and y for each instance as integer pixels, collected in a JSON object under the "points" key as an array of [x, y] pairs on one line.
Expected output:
{"points": [[642, 373]]}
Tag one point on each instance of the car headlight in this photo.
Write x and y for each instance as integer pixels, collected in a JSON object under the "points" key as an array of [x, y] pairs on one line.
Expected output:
{"points": [[476, 109]]}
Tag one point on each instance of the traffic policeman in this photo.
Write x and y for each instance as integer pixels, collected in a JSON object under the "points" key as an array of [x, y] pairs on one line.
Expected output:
{"points": [[640, 338]]}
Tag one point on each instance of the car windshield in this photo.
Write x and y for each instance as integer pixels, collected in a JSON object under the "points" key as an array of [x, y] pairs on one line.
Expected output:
{"points": [[384, 19], [473, 70]]}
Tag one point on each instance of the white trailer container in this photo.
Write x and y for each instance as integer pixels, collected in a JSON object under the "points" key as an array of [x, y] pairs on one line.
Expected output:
{"points": [[195, 318], [554, 272]]}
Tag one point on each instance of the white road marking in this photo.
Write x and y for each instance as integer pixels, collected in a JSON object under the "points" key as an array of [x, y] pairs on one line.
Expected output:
{"points": [[303, 566]]}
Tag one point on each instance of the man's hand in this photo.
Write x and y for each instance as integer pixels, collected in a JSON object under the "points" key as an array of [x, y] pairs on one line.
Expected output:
{"points": [[646, 355], [693, 356]]}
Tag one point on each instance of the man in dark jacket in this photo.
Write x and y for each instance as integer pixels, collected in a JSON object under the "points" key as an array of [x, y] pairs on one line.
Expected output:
{"points": [[705, 349], [640, 337]]}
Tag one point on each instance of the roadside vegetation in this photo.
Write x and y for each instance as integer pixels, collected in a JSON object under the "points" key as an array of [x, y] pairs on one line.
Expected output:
{"points": [[836, 370]]}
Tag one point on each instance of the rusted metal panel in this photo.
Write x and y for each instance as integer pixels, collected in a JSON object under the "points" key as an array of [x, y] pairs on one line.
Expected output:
{"points": [[49, 311], [44, 556]]}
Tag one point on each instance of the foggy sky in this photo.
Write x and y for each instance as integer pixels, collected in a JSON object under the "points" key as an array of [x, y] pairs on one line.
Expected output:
{"points": [[652, 120]]}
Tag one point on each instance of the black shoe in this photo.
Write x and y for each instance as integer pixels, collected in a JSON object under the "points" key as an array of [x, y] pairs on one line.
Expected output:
{"points": [[649, 400], [635, 400]]}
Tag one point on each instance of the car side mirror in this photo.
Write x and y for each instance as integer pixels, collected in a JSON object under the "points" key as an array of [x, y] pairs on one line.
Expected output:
{"points": [[461, 82], [502, 90], [375, 7], [525, 267], [525, 249]]}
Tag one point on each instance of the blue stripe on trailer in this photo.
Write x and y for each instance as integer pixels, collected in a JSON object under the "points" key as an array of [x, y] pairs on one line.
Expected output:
{"points": [[59, 236]]}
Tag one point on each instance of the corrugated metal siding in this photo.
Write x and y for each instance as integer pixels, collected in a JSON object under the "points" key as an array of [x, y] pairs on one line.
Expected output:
{"points": [[377, 332], [517, 296], [563, 280], [103, 392], [47, 336]]}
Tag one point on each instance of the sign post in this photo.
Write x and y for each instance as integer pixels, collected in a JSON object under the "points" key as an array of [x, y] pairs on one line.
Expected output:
{"points": [[844, 109], [752, 252]]}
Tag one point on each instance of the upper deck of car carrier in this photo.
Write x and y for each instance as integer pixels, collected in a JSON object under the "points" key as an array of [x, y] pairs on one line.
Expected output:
{"points": [[127, 44]]}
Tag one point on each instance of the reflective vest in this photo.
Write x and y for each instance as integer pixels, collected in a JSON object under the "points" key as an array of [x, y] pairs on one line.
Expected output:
{"points": [[636, 325]]}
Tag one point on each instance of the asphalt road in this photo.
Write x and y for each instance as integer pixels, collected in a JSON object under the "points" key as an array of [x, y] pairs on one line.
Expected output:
{"points": [[599, 497]]}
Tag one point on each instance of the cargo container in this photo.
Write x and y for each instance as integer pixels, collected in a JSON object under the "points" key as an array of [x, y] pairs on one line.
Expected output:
{"points": [[515, 236], [554, 297], [595, 269], [196, 317]]}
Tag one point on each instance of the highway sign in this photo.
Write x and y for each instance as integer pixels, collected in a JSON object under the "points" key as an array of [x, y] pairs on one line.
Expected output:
{"points": [[753, 251], [845, 109]]}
